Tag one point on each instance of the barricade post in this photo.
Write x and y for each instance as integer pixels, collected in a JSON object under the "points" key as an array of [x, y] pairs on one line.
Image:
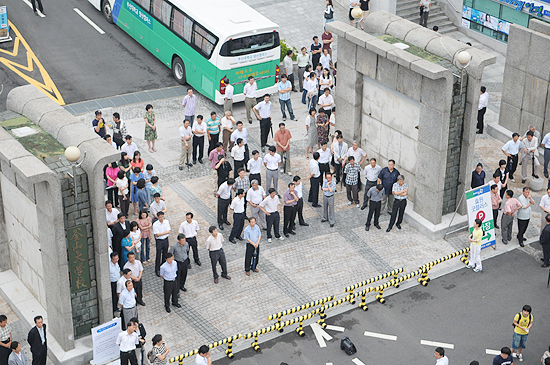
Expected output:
{"points": [[228, 352], [424, 279], [321, 310], [351, 288], [277, 326], [297, 309]]}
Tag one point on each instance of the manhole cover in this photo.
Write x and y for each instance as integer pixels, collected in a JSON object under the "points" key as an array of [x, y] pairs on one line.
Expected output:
{"points": [[23, 132]]}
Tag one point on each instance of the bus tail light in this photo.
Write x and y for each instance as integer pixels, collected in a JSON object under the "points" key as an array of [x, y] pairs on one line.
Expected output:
{"points": [[222, 86], [277, 74]]}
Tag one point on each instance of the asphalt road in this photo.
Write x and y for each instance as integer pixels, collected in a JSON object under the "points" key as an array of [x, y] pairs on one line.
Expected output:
{"points": [[471, 311], [83, 63]]}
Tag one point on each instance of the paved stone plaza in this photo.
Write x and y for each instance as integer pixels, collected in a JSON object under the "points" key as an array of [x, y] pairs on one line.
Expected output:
{"points": [[317, 262]]}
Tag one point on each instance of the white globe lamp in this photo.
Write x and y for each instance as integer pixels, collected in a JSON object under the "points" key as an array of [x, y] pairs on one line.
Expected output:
{"points": [[464, 58], [72, 154]]}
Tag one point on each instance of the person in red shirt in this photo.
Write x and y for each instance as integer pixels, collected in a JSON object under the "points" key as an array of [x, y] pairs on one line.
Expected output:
{"points": [[510, 208], [327, 39], [282, 139]]}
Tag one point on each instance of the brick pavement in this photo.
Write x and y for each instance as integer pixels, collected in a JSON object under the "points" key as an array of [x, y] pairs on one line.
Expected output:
{"points": [[318, 261]]}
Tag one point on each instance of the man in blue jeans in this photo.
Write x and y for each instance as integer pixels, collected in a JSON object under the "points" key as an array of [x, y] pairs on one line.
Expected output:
{"points": [[522, 325], [285, 87]]}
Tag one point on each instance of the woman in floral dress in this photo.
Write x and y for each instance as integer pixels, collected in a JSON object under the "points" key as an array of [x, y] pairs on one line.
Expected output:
{"points": [[150, 127], [322, 127]]}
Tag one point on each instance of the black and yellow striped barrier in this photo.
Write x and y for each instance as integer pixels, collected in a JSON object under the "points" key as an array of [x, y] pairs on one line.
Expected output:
{"points": [[278, 326], [297, 309], [321, 311], [424, 279], [351, 288], [228, 352]]}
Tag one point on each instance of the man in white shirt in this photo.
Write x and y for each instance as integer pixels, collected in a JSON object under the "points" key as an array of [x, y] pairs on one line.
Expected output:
{"points": [[241, 132], [185, 135], [237, 206], [254, 196], [255, 167], [249, 92], [340, 150], [114, 272], [324, 160], [161, 230], [203, 357], [136, 276], [228, 97], [545, 207], [111, 214], [372, 171], [109, 140], [224, 199], [298, 186], [440, 357], [482, 108], [272, 161], [511, 150], [189, 228], [326, 101], [263, 113], [157, 206], [325, 59], [198, 130], [530, 153], [227, 124], [238, 154], [214, 246], [127, 341], [270, 206], [314, 178], [129, 147]]}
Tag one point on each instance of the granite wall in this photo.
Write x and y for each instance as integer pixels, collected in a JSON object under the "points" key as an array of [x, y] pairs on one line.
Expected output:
{"points": [[525, 91], [368, 64]]}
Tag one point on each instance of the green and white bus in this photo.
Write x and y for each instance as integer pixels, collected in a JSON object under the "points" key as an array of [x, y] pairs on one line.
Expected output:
{"points": [[203, 41]]}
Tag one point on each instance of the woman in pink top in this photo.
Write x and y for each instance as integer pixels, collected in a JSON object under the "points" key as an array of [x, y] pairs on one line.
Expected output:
{"points": [[144, 223], [111, 173], [495, 203]]}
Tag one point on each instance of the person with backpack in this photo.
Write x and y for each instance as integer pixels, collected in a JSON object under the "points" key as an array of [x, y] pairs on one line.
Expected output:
{"points": [[522, 324]]}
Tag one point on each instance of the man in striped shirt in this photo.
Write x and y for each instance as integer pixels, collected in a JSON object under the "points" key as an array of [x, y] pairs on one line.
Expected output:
{"points": [[213, 129]]}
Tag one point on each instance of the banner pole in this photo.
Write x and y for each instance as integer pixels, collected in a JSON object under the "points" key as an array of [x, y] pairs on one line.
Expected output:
{"points": [[454, 214]]}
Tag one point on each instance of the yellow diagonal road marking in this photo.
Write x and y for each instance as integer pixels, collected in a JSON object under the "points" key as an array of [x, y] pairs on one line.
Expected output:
{"points": [[47, 86]]}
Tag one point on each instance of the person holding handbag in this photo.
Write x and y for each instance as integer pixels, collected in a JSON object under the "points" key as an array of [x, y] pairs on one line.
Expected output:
{"points": [[329, 13], [425, 6]]}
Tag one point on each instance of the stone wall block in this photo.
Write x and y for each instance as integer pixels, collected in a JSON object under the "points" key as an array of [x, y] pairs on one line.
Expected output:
{"points": [[401, 28], [367, 62], [428, 202], [513, 86], [509, 116], [519, 43], [534, 95], [387, 72], [347, 53], [538, 62]]}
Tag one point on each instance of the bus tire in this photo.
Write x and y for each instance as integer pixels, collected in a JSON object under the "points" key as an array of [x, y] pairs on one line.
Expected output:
{"points": [[178, 70], [107, 10]]}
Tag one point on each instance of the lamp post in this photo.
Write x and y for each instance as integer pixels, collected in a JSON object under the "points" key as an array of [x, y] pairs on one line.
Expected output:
{"points": [[72, 154]]}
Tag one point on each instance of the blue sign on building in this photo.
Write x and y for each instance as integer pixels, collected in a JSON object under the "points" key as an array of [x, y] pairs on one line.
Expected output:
{"points": [[4, 25]]}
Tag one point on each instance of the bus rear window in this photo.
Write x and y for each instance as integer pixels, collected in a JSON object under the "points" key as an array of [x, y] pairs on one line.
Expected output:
{"points": [[250, 44]]}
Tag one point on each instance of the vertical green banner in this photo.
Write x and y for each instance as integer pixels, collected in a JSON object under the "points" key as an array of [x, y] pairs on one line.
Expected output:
{"points": [[79, 265]]}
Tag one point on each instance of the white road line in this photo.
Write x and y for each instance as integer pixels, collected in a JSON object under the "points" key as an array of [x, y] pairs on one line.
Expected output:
{"points": [[438, 344], [357, 361], [89, 21], [329, 363], [30, 6], [381, 335], [335, 328], [492, 352], [320, 334]]}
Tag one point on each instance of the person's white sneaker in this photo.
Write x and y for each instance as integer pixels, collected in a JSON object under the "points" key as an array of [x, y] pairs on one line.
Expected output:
{"points": [[282, 238], [469, 266], [520, 357], [358, 206], [269, 240], [477, 270], [514, 354], [349, 203]]}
